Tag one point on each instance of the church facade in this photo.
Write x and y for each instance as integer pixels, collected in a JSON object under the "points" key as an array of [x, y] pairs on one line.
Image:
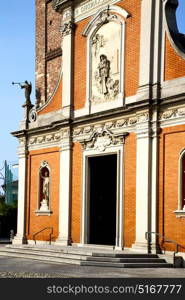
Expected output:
{"points": [[102, 151]]}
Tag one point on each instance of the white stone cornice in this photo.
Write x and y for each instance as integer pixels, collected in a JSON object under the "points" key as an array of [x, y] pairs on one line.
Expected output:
{"points": [[45, 140], [116, 126], [22, 148], [87, 8], [172, 116]]}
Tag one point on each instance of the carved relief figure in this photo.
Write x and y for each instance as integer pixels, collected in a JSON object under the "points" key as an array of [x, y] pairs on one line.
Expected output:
{"points": [[103, 68], [105, 63]]}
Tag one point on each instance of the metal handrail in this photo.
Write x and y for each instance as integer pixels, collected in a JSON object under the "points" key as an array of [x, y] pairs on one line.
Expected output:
{"points": [[148, 238], [34, 235]]}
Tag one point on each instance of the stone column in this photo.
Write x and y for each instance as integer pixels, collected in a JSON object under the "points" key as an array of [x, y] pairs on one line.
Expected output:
{"points": [[67, 30], [21, 216], [143, 185], [65, 190]]}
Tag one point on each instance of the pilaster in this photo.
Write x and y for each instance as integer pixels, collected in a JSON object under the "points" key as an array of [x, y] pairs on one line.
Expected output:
{"points": [[154, 181], [143, 184], [67, 31], [21, 216], [65, 190]]}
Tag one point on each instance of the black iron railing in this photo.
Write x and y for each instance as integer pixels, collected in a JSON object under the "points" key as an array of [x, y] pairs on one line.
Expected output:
{"points": [[35, 234], [148, 237]]}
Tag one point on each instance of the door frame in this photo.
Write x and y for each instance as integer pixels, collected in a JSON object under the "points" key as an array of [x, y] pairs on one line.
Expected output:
{"points": [[116, 150]]}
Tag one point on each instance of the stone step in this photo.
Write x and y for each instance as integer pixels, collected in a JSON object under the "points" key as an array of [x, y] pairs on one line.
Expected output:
{"points": [[125, 255], [126, 265], [50, 250], [60, 254], [126, 260], [69, 256], [43, 258], [37, 252], [80, 251]]}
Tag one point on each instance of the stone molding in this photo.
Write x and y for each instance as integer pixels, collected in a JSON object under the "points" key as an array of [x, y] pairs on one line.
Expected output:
{"points": [[172, 113], [53, 54], [86, 9], [139, 123], [78, 133]]}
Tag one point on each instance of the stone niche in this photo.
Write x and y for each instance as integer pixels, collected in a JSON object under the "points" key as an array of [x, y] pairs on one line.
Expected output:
{"points": [[105, 50]]}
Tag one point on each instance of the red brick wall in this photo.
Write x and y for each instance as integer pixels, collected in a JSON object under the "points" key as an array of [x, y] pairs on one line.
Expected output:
{"points": [[130, 190], [53, 22], [80, 57], [48, 38], [171, 144], [55, 103], [34, 222], [174, 65], [40, 47], [76, 193], [132, 45]]}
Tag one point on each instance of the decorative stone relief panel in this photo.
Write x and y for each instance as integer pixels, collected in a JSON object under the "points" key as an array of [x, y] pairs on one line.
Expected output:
{"points": [[101, 138], [105, 63]]}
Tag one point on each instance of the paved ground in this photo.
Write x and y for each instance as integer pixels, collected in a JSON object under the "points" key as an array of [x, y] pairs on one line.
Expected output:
{"points": [[26, 268]]}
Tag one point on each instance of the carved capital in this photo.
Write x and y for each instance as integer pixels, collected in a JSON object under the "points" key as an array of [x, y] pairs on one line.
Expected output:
{"points": [[67, 28]]}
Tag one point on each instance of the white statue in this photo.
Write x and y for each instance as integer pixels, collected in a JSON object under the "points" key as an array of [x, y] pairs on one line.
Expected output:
{"points": [[45, 191]]}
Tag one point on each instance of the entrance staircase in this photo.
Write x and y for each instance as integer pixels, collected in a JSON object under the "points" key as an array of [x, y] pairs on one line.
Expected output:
{"points": [[85, 256]]}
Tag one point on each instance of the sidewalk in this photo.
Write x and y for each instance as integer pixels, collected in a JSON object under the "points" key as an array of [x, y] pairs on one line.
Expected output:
{"points": [[26, 268]]}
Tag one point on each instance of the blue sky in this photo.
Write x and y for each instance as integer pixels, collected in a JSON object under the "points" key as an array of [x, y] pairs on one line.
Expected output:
{"points": [[17, 51], [17, 61]]}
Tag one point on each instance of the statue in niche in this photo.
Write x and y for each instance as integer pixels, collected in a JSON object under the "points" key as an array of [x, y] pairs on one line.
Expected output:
{"points": [[104, 69], [44, 185]]}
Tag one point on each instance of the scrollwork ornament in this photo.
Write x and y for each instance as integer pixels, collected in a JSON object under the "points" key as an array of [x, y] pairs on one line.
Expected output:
{"points": [[105, 17], [32, 115]]}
